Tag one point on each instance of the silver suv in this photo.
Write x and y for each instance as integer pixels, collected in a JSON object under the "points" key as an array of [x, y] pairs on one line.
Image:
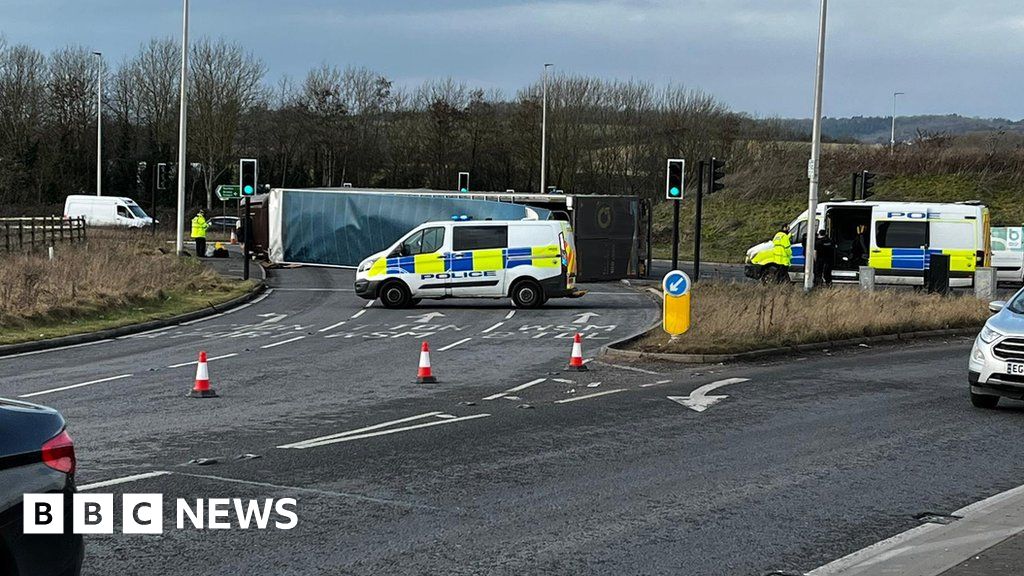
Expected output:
{"points": [[996, 367]]}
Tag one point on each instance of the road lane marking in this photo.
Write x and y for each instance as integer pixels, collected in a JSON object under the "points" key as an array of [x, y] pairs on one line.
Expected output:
{"points": [[147, 332], [125, 480], [283, 342], [699, 400], [194, 362], [655, 383], [492, 328], [73, 386], [358, 314], [595, 395], [454, 344], [34, 352], [361, 430], [368, 304], [254, 302], [516, 389], [630, 368], [392, 431], [332, 326], [309, 491], [510, 315]]}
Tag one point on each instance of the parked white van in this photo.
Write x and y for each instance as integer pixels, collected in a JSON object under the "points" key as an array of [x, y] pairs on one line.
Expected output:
{"points": [[897, 239], [529, 261], [106, 211]]}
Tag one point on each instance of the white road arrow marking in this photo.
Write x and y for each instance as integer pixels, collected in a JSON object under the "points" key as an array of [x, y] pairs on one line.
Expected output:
{"points": [[584, 317], [424, 318], [272, 318], [699, 401]]}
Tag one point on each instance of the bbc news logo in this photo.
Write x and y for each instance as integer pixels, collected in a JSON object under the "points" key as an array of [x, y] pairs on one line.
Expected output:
{"points": [[144, 514]]}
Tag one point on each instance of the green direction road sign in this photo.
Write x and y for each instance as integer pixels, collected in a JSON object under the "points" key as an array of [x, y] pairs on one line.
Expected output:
{"points": [[228, 192]]}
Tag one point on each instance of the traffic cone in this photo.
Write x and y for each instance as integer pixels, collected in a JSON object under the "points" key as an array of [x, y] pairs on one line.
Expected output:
{"points": [[576, 360], [234, 238], [424, 374], [202, 388]]}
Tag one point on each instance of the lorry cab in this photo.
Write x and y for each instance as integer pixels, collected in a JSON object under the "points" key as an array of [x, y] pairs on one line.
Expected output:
{"points": [[106, 211], [897, 239], [529, 261]]}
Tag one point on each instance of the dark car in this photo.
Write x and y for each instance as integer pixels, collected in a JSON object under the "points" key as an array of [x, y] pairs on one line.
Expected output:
{"points": [[223, 223], [36, 456]]}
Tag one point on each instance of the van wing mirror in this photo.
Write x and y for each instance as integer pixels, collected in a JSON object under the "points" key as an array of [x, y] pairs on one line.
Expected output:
{"points": [[996, 306]]}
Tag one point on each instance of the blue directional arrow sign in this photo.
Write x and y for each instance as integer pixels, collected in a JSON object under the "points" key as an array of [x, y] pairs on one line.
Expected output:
{"points": [[676, 283], [676, 307]]}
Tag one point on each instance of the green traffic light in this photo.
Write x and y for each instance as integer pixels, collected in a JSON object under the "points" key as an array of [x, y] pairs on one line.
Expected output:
{"points": [[248, 189], [674, 191], [465, 189]]}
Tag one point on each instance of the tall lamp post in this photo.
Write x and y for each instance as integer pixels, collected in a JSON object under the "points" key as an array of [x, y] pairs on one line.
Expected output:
{"points": [[99, 123], [892, 139], [544, 134], [812, 166], [182, 122]]}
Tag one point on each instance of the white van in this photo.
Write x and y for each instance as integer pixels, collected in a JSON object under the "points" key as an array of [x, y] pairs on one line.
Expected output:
{"points": [[897, 239], [106, 211], [526, 260]]}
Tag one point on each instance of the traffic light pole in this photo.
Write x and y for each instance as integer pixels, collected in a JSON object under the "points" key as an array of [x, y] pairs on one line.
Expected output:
{"points": [[246, 234], [697, 220], [675, 235]]}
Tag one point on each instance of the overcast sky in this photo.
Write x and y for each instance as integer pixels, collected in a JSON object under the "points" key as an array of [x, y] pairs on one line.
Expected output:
{"points": [[756, 55]]}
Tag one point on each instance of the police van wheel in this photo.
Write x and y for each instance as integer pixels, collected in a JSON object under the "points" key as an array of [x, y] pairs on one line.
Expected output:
{"points": [[527, 294], [395, 295], [773, 274]]}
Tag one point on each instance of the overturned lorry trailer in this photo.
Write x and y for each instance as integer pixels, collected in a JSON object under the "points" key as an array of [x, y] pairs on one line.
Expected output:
{"points": [[341, 226]]}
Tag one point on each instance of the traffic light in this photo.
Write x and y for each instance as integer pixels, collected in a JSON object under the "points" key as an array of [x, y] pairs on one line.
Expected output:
{"points": [[675, 179], [161, 176], [867, 182], [717, 168], [463, 181], [247, 170]]}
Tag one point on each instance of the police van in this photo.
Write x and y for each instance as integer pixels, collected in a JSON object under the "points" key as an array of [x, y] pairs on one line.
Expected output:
{"points": [[529, 261], [897, 239]]}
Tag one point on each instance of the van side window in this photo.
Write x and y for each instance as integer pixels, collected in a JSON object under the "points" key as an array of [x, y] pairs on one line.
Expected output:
{"points": [[892, 234], [425, 241], [465, 238], [123, 212]]}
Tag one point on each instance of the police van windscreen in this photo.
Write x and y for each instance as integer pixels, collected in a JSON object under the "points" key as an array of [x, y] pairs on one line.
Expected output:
{"points": [[465, 238]]}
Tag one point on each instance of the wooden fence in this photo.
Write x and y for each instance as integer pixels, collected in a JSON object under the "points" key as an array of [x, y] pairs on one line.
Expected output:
{"points": [[32, 231]]}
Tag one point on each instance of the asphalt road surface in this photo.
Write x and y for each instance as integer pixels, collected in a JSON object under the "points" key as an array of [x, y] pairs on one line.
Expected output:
{"points": [[511, 464]]}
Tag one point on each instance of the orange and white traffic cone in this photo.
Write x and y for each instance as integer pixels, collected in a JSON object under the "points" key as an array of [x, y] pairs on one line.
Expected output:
{"points": [[576, 360], [424, 375], [202, 387], [234, 238]]}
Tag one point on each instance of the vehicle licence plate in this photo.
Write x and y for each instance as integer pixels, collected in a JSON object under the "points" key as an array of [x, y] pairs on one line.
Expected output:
{"points": [[1015, 369]]}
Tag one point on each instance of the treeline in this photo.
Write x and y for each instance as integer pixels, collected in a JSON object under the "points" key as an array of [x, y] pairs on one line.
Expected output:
{"points": [[338, 126]]}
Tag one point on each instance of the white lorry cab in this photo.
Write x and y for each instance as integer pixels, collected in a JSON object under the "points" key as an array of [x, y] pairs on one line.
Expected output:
{"points": [[526, 260], [106, 211], [897, 239]]}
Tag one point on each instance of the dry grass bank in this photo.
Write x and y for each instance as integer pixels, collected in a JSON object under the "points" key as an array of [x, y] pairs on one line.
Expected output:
{"points": [[736, 317], [116, 278]]}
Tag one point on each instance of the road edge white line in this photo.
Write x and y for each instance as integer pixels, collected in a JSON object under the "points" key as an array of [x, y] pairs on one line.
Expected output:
{"points": [[275, 344], [124, 480], [194, 362], [395, 430], [73, 386], [333, 326], [515, 389], [454, 344], [595, 395], [360, 430]]}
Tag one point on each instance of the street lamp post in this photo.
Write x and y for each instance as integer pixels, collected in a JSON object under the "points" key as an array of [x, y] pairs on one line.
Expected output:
{"points": [[182, 122], [892, 139], [544, 134], [99, 123], [812, 167]]}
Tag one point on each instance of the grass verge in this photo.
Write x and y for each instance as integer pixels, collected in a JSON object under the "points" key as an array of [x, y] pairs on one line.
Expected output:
{"points": [[739, 317], [116, 279]]}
